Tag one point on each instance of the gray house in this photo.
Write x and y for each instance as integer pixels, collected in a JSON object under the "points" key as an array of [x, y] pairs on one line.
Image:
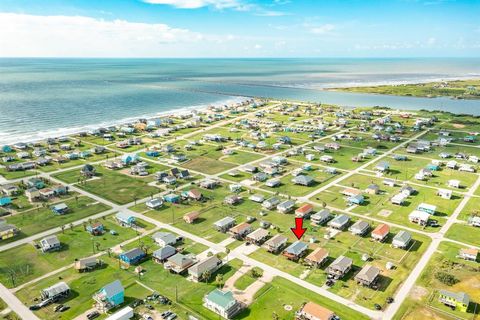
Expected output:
{"points": [[270, 203], [50, 243], [368, 275], [303, 180], [164, 238], [340, 267], [57, 291], [286, 206], [209, 265], [320, 217], [276, 243], [359, 228], [402, 239], [223, 225], [340, 222], [161, 255], [295, 250]]}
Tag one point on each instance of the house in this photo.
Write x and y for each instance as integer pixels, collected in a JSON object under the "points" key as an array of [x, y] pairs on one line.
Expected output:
{"points": [[419, 217], [86, 264], [260, 176], [257, 198], [258, 236], [46, 193], [178, 263], [95, 228], [408, 190], [296, 250], [223, 225], [304, 211], [454, 183], [340, 267], [4, 201], [9, 190], [402, 239], [7, 230], [469, 254], [372, 189], [125, 219], [50, 243], [380, 233], [88, 171], [368, 275], [452, 164], [359, 228], [122, 314], [286, 206], [232, 199], [474, 221], [459, 300], [56, 292], [382, 166], [161, 255], [206, 267], [272, 183], [164, 238], [428, 208], [303, 180], [191, 216], [132, 256], [222, 303], [32, 194], [195, 194], [270, 203], [445, 193], [276, 243], [240, 230], [154, 203], [60, 209], [110, 296], [320, 217], [171, 198], [340, 222], [208, 184], [313, 311], [399, 198], [356, 200], [317, 258], [35, 183], [351, 192], [466, 168]]}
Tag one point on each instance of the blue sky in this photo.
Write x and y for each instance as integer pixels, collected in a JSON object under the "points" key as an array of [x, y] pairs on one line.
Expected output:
{"points": [[240, 28]]}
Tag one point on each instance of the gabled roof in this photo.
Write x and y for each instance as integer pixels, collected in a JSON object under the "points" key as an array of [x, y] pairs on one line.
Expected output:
{"points": [[317, 311], [403, 236], [381, 230], [223, 299], [296, 248], [113, 288], [458, 296], [317, 255]]}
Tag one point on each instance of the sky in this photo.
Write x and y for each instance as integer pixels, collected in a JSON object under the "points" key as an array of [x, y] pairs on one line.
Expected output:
{"points": [[239, 28]]}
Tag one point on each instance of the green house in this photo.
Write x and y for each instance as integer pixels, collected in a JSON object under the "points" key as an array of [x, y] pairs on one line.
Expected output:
{"points": [[458, 300]]}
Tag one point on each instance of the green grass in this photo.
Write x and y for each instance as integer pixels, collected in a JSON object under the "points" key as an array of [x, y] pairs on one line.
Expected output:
{"points": [[111, 185], [464, 233], [27, 263], [244, 281], [41, 219]]}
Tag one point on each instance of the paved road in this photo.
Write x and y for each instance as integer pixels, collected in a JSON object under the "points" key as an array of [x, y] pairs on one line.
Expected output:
{"points": [[16, 305]]}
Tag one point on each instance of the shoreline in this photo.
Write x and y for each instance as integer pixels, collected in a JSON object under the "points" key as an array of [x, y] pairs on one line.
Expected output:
{"points": [[65, 131]]}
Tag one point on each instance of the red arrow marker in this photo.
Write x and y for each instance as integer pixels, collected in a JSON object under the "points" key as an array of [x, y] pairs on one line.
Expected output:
{"points": [[299, 230]]}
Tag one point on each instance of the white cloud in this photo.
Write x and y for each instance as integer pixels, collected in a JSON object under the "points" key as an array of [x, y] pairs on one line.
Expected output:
{"points": [[326, 28], [195, 4], [431, 41], [257, 46], [29, 35], [271, 14]]}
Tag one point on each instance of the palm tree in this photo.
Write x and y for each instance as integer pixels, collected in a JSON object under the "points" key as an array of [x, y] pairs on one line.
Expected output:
{"points": [[219, 280], [63, 229], [71, 226], [97, 246]]}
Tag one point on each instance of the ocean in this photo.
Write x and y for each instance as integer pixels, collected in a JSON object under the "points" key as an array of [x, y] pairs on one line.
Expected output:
{"points": [[51, 97]]}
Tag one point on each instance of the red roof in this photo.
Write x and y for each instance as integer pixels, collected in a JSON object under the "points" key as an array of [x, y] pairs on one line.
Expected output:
{"points": [[305, 208], [381, 230]]}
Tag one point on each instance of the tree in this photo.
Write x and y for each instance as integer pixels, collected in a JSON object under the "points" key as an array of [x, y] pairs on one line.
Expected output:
{"points": [[206, 276], [227, 251], [63, 229], [71, 226], [446, 278], [219, 280], [97, 246], [275, 316]]}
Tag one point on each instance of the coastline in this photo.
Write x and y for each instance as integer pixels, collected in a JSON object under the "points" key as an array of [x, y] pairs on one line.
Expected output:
{"points": [[55, 133]]}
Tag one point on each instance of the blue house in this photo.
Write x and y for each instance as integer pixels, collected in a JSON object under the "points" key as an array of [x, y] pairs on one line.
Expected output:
{"points": [[132, 256], [129, 158], [357, 199], [110, 296], [35, 183], [152, 153], [60, 208], [433, 167], [5, 201], [172, 198], [6, 149], [96, 228], [125, 218]]}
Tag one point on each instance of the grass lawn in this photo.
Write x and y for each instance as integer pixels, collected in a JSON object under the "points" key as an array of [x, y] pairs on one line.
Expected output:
{"points": [[423, 298], [464, 233], [41, 219], [207, 165], [28, 263], [112, 185], [244, 281], [273, 298]]}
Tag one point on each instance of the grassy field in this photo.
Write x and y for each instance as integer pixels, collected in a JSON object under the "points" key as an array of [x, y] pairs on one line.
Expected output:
{"points": [[25, 263], [465, 89], [422, 300], [37, 220], [111, 185]]}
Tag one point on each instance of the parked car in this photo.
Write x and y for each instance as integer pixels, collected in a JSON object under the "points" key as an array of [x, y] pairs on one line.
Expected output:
{"points": [[93, 315], [165, 314]]}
